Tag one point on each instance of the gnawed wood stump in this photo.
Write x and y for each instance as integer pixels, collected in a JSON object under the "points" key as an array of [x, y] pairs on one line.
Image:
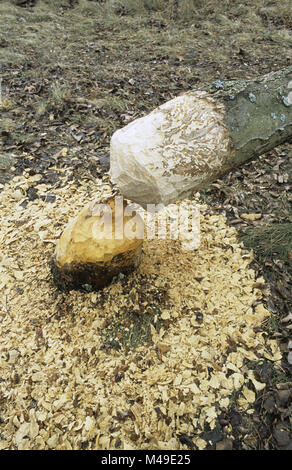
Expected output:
{"points": [[100, 243]]}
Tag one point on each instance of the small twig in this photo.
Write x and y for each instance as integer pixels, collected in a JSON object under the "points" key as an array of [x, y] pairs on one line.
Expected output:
{"points": [[5, 307]]}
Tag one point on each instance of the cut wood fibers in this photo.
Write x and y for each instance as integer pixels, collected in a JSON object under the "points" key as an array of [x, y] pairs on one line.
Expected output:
{"points": [[70, 376]]}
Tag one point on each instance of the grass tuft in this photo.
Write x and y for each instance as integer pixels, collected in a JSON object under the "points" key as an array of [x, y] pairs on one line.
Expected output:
{"points": [[59, 95], [6, 104], [114, 103], [270, 240]]}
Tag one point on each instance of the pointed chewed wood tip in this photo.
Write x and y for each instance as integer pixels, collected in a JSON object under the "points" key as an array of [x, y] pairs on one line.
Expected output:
{"points": [[100, 243]]}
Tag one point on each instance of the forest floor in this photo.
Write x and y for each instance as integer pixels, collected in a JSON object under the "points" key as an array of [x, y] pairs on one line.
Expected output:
{"points": [[72, 75]]}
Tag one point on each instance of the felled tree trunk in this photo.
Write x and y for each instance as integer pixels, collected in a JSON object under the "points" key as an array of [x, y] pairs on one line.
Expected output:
{"points": [[192, 140]]}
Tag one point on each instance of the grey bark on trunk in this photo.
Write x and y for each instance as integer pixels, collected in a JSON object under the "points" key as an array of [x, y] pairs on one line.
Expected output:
{"points": [[258, 112]]}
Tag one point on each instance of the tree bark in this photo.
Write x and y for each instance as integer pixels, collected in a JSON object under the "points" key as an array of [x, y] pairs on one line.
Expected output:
{"points": [[258, 112], [194, 139]]}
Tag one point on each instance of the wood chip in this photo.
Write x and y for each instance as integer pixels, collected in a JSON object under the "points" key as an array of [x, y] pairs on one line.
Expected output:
{"points": [[64, 383]]}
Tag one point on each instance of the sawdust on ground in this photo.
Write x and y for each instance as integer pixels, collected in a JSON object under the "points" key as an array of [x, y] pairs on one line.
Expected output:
{"points": [[65, 385]]}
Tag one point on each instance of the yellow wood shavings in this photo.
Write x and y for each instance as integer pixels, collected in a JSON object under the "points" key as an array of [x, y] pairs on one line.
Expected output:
{"points": [[251, 217], [65, 386]]}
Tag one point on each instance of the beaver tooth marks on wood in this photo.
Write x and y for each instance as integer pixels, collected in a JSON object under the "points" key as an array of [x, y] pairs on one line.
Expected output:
{"points": [[166, 156], [161, 157], [193, 139], [90, 252]]}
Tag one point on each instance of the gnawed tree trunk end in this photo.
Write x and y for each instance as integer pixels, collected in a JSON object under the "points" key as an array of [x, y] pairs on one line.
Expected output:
{"points": [[94, 247], [194, 139]]}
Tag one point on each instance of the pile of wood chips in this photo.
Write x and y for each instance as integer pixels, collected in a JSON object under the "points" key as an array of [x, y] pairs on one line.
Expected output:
{"points": [[63, 386]]}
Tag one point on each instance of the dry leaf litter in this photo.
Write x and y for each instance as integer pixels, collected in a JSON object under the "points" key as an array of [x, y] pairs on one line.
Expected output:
{"points": [[63, 386]]}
